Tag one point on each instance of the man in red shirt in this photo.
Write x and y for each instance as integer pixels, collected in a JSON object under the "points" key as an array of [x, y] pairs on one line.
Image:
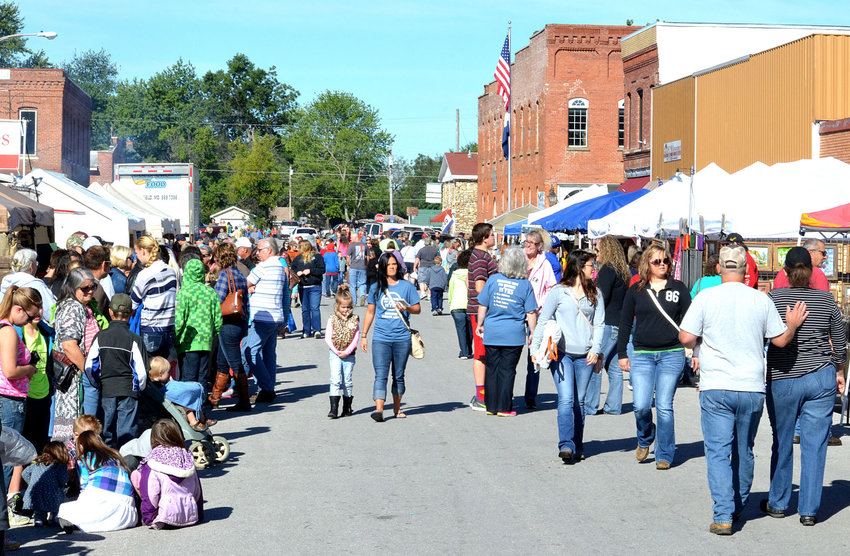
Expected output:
{"points": [[818, 281], [481, 267], [752, 277]]}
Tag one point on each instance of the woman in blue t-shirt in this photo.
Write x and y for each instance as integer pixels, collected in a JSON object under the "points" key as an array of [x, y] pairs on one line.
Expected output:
{"points": [[389, 298], [506, 302]]}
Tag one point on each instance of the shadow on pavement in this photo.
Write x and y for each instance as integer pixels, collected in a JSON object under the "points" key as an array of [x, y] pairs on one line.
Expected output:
{"points": [[685, 452], [444, 407], [217, 514], [250, 431], [835, 498], [297, 368], [596, 447], [60, 544], [292, 395], [222, 469]]}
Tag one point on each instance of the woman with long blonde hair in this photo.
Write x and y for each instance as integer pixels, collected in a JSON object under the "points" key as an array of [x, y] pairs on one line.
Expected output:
{"points": [[155, 289], [612, 280], [654, 306], [309, 266]]}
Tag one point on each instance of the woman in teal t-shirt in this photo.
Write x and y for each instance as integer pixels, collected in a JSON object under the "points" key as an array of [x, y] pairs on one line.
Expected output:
{"points": [[389, 298]]}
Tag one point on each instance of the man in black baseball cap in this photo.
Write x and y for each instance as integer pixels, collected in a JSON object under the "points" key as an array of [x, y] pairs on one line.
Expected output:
{"points": [[752, 277]]}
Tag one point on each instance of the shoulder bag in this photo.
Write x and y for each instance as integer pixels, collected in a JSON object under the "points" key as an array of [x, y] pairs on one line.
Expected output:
{"points": [[232, 304], [661, 310], [417, 346]]}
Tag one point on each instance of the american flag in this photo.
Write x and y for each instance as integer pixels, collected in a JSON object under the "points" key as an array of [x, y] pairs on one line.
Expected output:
{"points": [[503, 73]]}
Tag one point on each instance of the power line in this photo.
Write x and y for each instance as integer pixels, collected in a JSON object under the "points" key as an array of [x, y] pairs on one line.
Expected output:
{"points": [[281, 172]]}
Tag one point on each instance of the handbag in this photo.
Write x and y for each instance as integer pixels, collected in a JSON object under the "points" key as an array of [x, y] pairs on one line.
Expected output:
{"points": [[417, 346], [232, 304], [64, 371]]}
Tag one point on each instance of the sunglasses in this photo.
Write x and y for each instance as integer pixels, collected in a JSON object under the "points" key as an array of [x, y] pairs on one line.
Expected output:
{"points": [[31, 318], [88, 289], [531, 243], [823, 253], [659, 262], [591, 265]]}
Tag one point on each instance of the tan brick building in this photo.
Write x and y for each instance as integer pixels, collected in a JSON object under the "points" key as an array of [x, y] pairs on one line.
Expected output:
{"points": [[459, 176], [835, 139], [58, 115], [567, 88]]}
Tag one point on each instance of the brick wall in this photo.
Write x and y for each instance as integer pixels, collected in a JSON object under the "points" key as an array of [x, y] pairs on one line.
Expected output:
{"points": [[63, 127], [106, 161], [560, 63], [835, 139], [640, 72]]}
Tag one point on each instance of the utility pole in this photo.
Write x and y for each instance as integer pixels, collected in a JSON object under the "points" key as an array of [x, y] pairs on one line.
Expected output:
{"points": [[291, 214], [457, 130], [390, 175]]}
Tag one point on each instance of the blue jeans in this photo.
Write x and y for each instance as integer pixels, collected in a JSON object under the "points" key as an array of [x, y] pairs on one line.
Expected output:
{"points": [[260, 351], [342, 381], [437, 299], [730, 421], [357, 283], [463, 327], [13, 415], [329, 283], [193, 368], [91, 398], [572, 375], [311, 317], [119, 420], [384, 355], [614, 398], [658, 373], [811, 398], [228, 348], [158, 342]]}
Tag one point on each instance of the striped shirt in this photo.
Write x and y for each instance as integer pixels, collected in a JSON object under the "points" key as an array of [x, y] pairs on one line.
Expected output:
{"points": [[481, 267], [271, 291], [156, 285], [810, 349]]}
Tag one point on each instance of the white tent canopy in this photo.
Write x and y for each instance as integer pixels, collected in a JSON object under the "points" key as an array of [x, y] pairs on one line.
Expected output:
{"points": [[78, 209], [158, 223], [596, 190], [670, 202]]}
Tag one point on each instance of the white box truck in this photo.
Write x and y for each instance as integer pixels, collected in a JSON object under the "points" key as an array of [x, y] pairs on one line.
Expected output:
{"points": [[170, 187]]}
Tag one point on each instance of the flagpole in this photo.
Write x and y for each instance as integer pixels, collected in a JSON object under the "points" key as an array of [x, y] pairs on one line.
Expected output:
{"points": [[510, 101]]}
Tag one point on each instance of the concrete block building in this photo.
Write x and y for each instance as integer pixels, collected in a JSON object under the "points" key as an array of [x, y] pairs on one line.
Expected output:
{"points": [[459, 176]]}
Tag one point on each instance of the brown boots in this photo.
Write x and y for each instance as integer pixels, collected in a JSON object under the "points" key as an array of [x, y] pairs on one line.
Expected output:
{"points": [[243, 392], [221, 382]]}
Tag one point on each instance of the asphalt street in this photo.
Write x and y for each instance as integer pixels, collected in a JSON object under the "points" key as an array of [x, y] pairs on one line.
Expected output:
{"points": [[451, 480]]}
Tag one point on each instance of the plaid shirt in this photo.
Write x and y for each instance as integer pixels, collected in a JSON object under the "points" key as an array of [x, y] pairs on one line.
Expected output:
{"points": [[110, 478], [222, 288]]}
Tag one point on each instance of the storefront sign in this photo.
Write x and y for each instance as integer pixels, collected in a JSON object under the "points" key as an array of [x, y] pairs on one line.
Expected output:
{"points": [[11, 132], [672, 151]]}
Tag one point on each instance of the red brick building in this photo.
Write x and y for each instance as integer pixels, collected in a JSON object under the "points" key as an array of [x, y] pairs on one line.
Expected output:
{"points": [[102, 163], [835, 139], [58, 115], [566, 132]]}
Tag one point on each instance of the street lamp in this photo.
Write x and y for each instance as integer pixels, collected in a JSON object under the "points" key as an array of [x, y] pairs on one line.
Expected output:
{"points": [[553, 199], [49, 35]]}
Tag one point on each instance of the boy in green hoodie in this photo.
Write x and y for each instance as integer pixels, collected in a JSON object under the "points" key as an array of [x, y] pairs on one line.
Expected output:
{"points": [[458, 292], [197, 321]]}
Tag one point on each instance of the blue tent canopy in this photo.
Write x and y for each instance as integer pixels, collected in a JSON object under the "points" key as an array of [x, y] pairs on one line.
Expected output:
{"points": [[576, 216], [515, 229]]}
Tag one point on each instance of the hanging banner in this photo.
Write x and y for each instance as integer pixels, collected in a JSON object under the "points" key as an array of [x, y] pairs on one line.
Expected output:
{"points": [[11, 132]]}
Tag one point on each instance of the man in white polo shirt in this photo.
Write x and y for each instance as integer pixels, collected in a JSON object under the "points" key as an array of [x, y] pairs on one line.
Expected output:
{"points": [[269, 302], [733, 321]]}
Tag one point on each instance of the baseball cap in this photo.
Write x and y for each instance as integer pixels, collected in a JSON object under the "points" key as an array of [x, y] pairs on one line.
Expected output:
{"points": [[555, 241], [797, 255], [121, 303], [244, 242], [736, 238], [181, 237], [74, 240], [733, 257], [90, 242]]}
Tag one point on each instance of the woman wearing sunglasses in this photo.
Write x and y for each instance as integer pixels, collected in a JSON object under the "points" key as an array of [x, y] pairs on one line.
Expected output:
{"points": [[654, 306], [76, 327], [19, 307]]}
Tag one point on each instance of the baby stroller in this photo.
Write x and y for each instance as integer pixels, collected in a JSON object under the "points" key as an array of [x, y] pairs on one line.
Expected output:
{"points": [[207, 449]]}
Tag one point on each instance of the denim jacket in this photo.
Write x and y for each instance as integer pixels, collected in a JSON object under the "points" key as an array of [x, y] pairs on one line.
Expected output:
{"points": [[578, 337]]}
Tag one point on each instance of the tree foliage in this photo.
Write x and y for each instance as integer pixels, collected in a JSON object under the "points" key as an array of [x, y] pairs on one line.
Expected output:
{"points": [[256, 184], [410, 180], [96, 74], [340, 152], [14, 52]]}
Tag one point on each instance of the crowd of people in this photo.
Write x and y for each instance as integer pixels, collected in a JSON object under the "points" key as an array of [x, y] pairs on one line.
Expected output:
{"points": [[83, 340]]}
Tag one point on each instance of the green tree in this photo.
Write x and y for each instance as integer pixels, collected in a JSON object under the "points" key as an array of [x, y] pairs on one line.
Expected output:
{"points": [[244, 95], [410, 179], [96, 74], [14, 52], [340, 152], [257, 182], [472, 146]]}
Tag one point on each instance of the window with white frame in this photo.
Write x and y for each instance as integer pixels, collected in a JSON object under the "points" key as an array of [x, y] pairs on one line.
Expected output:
{"points": [[31, 118], [621, 134], [577, 122]]}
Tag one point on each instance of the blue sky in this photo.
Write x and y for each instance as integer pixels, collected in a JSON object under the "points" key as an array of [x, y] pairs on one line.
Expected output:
{"points": [[415, 61]]}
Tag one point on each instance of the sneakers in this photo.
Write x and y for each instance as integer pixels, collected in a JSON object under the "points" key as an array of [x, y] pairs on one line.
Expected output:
{"points": [[506, 414], [362, 300], [476, 405], [317, 335], [463, 357], [722, 529], [433, 313], [18, 520]]}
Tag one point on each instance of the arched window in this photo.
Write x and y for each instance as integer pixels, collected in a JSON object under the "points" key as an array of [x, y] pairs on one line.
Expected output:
{"points": [[621, 134], [577, 122]]}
